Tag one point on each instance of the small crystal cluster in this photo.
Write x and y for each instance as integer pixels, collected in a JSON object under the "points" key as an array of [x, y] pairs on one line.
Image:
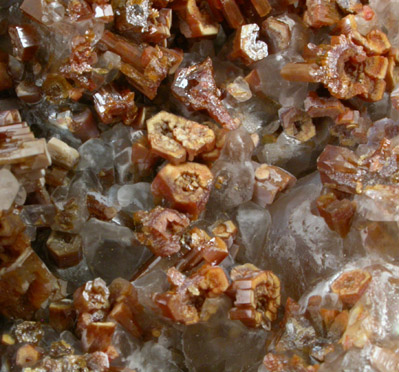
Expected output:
{"points": [[199, 186]]}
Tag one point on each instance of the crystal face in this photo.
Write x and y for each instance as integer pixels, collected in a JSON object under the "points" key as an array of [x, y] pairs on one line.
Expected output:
{"points": [[199, 186]]}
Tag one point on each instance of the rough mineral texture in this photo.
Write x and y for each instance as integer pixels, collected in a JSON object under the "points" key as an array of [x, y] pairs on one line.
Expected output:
{"points": [[199, 185]]}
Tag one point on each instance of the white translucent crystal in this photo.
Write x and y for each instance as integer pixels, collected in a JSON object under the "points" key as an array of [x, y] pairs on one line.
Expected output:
{"points": [[53, 12], [62, 154], [287, 93], [9, 187], [292, 155], [111, 250], [253, 224], [96, 155], [119, 137], [152, 357], [143, 356], [153, 282], [135, 197], [239, 89], [123, 166], [221, 344], [253, 114], [376, 205], [301, 248], [75, 276], [238, 146], [381, 238], [40, 215], [109, 61], [234, 184]]}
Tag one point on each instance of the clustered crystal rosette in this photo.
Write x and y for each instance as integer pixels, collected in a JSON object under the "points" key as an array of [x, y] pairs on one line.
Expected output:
{"points": [[199, 185]]}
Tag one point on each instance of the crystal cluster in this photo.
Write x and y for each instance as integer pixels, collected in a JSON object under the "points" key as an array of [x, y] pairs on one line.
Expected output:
{"points": [[199, 186]]}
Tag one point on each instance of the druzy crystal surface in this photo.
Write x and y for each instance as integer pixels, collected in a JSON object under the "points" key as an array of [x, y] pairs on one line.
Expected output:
{"points": [[199, 186]]}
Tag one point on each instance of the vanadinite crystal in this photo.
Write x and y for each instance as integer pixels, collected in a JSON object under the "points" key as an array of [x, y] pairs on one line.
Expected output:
{"points": [[199, 185]]}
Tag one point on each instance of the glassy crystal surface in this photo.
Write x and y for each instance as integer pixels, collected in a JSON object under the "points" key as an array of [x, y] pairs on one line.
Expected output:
{"points": [[199, 185], [110, 250]]}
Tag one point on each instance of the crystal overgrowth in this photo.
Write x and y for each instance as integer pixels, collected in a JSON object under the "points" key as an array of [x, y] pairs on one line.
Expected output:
{"points": [[191, 186]]}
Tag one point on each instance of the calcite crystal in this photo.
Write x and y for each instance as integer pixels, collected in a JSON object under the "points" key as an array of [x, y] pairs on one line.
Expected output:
{"points": [[199, 185]]}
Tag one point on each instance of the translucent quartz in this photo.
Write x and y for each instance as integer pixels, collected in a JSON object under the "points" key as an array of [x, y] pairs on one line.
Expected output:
{"points": [[110, 250]]}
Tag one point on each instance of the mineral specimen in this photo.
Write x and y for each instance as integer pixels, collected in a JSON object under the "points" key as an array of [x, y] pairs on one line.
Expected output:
{"points": [[199, 185]]}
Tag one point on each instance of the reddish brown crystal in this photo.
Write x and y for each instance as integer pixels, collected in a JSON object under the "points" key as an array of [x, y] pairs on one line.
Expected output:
{"points": [[28, 92], [341, 66], [202, 247], [176, 138], [83, 56], [338, 214], [278, 31], [351, 127], [339, 169], [183, 302], [142, 157], [122, 314], [24, 40], [98, 336], [27, 356], [339, 325], [62, 315], [79, 10], [56, 88], [257, 296], [159, 27], [376, 67], [29, 331], [302, 72], [67, 218], [5, 78], [65, 249], [269, 182], [113, 105], [83, 125], [91, 301], [246, 47], [375, 42], [226, 231], [351, 285], [341, 81], [160, 229], [262, 7], [195, 86], [145, 66], [25, 282], [193, 21], [185, 186], [231, 11], [92, 296], [297, 123], [220, 138], [321, 13], [318, 107], [392, 76], [125, 305], [99, 207]]}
